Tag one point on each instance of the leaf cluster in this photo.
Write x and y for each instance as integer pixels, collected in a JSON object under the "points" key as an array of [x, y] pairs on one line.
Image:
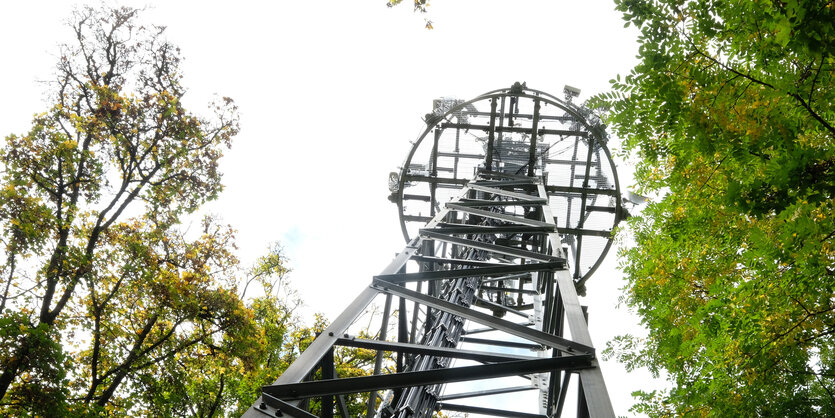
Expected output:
{"points": [[420, 6], [730, 115], [108, 305]]}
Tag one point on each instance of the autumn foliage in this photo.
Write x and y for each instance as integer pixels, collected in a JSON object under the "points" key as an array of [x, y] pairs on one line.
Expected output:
{"points": [[108, 305], [731, 267]]}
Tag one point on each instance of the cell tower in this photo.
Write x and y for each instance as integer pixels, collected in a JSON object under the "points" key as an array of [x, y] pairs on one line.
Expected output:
{"points": [[507, 204]]}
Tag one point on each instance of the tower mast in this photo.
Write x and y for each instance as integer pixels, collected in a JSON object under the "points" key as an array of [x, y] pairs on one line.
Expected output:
{"points": [[507, 203]]}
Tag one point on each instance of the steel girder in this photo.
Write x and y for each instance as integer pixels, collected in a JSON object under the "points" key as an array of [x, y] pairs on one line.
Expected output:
{"points": [[493, 250]]}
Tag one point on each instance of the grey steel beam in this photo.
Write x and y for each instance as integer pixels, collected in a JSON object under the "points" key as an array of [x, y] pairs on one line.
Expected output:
{"points": [[328, 372], [514, 129], [500, 343], [506, 193], [501, 216], [378, 361], [495, 203], [581, 222], [564, 162], [505, 175], [529, 184], [508, 277], [419, 197], [528, 116], [582, 231], [591, 380], [530, 255], [609, 209], [455, 261], [486, 392], [305, 363], [450, 228], [594, 386], [491, 134], [469, 272], [460, 155], [426, 377], [436, 180], [549, 340], [579, 190], [563, 393], [430, 351], [486, 411], [280, 405], [416, 218], [342, 406], [309, 359], [534, 136], [510, 290], [484, 303]]}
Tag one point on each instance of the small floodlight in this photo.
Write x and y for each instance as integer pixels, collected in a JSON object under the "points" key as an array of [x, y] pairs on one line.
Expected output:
{"points": [[570, 92]]}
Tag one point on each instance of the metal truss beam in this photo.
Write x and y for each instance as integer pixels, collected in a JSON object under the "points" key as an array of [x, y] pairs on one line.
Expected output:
{"points": [[485, 411], [500, 343], [509, 290], [583, 231], [427, 377], [287, 408], [505, 193], [469, 272], [487, 392], [456, 261], [496, 307], [491, 229], [593, 386], [501, 249], [579, 190], [530, 334], [320, 346], [500, 203], [500, 216], [485, 128], [511, 238], [484, 175], [483, 356]]}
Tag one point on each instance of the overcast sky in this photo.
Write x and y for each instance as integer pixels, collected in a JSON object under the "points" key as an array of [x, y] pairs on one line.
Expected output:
{"points": [[330, 94]]}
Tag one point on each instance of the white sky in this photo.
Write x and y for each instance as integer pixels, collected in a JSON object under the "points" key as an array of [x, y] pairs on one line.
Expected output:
{"points": [[330, 94]]}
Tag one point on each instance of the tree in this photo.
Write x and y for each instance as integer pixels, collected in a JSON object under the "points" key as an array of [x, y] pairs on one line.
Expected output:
{"points": [[109, 305], [729, 114], [105, 298]]}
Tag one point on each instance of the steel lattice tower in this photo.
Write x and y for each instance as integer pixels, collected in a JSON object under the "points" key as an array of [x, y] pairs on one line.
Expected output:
{"points": [[507, 205]]}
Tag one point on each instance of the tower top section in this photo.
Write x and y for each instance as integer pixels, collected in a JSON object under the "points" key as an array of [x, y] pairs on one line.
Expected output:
{"points": [[526, 133]]}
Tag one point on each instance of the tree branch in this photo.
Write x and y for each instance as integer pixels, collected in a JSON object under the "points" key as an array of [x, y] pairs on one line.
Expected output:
{"points": [[795, 96]]}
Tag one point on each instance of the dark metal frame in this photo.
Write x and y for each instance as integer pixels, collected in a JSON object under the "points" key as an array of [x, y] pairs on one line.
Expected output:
{"points": [[504, 116], [493, 250], [566, 356]]}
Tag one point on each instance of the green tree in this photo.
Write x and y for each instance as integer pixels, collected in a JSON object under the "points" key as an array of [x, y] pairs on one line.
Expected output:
{"points": [[107, 303], [729, 114], [110, 305]]}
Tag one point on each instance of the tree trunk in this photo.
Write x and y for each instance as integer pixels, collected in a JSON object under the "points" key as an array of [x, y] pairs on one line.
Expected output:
{"points": [[10, 372]]}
